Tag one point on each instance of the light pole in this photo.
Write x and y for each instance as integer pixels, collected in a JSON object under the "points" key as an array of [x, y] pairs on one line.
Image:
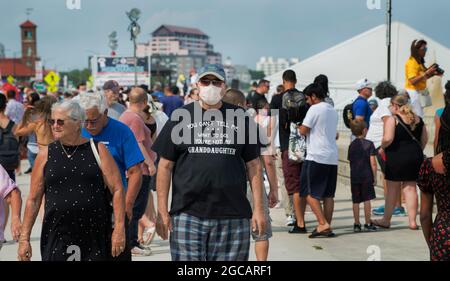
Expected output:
{"points": [[134, 29], [388, 37], [14, 64]]}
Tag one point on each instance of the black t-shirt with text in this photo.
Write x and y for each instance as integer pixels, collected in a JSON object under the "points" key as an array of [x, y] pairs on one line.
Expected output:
{"points": [[209, 175]]}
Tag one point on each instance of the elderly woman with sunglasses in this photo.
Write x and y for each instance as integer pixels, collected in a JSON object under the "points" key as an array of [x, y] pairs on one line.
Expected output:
{"points": [[78, 178]]}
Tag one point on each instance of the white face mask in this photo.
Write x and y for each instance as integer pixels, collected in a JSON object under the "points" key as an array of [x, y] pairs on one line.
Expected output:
{"points": [[211, 95]]}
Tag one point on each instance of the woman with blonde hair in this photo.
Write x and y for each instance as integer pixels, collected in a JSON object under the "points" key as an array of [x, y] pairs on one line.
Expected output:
{"points": [[404, 139]]}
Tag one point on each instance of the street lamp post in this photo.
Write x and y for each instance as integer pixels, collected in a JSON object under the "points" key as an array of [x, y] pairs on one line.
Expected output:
{"points": [[388, 37], [134, 29], [14, 65]]}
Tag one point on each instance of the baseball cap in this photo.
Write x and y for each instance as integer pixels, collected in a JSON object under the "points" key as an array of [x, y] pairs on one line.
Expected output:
{"points": [[363, 83], [373, 101], [212, 69], [112, 85]]}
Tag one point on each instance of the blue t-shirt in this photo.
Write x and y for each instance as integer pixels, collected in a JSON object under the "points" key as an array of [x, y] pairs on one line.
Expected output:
{"points": [[439, 112], [361, 108], [121, 143], [170, 103]]}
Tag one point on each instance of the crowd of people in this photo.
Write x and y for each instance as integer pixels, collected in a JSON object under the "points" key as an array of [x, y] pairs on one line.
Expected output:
{"points": [[98, 158]]}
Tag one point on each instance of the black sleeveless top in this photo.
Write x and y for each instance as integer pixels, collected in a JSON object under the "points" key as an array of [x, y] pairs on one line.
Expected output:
{"points": [[77, 220]]}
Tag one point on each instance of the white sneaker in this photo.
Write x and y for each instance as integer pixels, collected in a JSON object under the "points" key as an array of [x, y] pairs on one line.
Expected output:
{"points": [[290, 221], [138, 251]]}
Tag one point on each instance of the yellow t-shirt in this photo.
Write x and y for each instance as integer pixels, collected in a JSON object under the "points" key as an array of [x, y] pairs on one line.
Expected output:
{"points": [[413, 69]]}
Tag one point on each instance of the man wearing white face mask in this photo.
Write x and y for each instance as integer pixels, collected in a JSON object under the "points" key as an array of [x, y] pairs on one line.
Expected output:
{"points": [[210, 215]]}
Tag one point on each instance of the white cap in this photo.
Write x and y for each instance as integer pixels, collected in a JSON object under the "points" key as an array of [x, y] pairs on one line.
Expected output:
{"points": [[363, 83]]}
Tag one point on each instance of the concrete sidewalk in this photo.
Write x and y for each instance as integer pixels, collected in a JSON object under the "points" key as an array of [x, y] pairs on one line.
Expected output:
{"points": [[397, 243]]}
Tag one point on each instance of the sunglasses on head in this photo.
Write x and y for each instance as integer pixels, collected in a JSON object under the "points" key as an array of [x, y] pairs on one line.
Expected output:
{"points": [[207, 82]]}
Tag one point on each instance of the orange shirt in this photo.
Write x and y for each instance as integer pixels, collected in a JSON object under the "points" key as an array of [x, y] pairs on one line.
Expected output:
{"points": [[413, 69]]}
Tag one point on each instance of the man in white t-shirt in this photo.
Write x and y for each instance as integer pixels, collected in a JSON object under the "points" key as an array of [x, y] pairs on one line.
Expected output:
{"points": [[319, 172]]}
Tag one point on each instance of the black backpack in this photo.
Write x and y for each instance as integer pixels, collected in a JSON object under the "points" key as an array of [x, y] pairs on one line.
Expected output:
{"points": [[293, 101], [347, 114], [9, 148]]}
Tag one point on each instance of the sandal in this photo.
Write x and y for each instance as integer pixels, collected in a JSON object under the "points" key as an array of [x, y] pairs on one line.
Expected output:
{"points": [[377, 223], [148, 235], [327, 233]]}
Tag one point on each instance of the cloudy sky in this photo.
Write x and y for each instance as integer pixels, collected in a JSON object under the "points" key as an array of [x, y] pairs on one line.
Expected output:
{"points": [[241, 29]]}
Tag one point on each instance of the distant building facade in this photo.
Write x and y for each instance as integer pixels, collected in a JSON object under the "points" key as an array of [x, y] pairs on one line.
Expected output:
{"points": [[179, 49], [270, 65]]}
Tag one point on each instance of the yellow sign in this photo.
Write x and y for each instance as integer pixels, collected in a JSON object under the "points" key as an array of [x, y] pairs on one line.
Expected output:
{"points": [[10, 79], [52, 89], [52, 78]]}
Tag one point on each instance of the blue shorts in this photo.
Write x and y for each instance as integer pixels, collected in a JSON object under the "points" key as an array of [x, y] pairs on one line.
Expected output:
{"points": [[198, 239], [318, 180]]}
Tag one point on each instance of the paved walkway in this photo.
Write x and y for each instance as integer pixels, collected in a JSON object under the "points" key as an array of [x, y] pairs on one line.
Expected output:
{"points": [[398, 243]]}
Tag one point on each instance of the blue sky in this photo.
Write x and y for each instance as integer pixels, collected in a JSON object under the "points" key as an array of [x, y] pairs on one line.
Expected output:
{"points": [[242, 29]]}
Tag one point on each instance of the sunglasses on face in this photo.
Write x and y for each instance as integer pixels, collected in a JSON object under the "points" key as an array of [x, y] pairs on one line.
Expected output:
{"points": [[59, 122], [207, 82], [92, 122]]}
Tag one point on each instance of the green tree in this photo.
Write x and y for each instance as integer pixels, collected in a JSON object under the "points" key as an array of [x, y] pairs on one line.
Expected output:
{"points": [[77, 76], [256, 74]]}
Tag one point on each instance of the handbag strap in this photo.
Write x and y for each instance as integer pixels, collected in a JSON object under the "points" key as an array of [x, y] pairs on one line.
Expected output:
{"points": [[95, 152], [97, 158], [407, 130]]}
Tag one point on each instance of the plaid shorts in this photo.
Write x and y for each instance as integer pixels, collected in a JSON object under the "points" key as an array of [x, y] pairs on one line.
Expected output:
{"points": [[198, 239]]}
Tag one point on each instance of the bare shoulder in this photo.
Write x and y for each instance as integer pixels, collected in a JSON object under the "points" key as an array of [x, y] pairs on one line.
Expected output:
{"points": [[391, 120], [417, 119], [43, 152], [102, 149]]}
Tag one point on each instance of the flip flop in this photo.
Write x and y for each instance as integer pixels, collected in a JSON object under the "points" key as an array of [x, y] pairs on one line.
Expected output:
{"points": [[148, 235], [377, 223], [327, 233]]}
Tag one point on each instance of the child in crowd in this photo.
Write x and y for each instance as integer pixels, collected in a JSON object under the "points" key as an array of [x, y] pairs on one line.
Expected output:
{"points": [[363, 173]]}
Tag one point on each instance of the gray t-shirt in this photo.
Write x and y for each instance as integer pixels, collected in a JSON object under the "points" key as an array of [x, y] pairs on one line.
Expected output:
{"points": [[115, 110]]}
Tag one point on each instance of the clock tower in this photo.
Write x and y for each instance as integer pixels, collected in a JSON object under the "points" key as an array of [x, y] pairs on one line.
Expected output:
{"points": [[29, 44]]}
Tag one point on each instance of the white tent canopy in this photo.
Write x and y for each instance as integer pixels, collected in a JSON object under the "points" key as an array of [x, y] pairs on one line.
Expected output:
{"points": [[365, 56]]}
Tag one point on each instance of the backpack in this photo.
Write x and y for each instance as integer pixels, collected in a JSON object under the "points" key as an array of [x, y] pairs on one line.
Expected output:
{"points": [[347, 114], [297, 145], [9, 148], [292, 101]]}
